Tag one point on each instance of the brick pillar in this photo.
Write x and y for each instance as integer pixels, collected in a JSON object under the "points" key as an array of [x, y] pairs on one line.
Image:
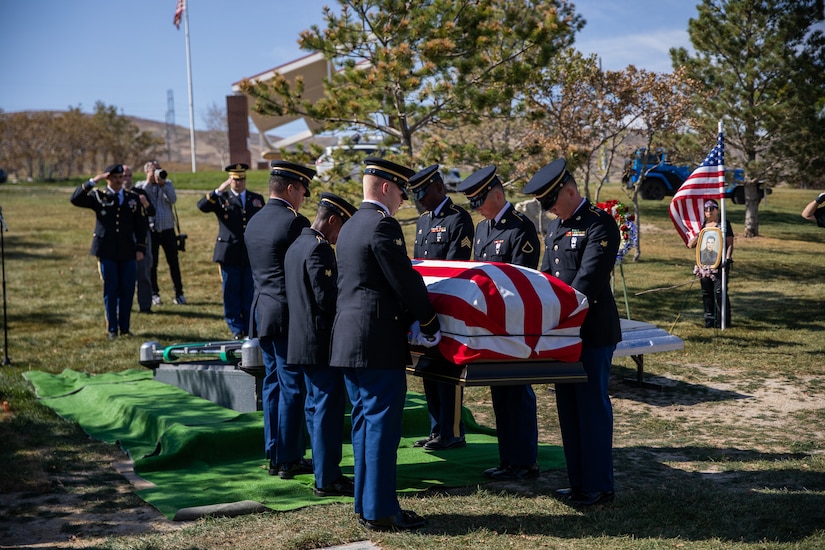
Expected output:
{"points": [[237, 118]]}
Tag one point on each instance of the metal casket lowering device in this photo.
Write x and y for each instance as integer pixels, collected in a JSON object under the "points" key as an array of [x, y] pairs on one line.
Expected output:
{"points": [[228, 373]]}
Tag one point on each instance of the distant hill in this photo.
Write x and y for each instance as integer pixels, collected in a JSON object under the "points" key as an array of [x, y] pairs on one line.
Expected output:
{"points": [[178, 156], [208, 157]]}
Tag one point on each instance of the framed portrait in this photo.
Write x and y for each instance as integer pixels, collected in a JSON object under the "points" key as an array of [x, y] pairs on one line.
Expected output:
{"points": [[709, 247]]}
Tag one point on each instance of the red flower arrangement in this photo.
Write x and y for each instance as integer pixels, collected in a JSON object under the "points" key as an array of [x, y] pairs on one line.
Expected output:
{"points": [[628, 231]]}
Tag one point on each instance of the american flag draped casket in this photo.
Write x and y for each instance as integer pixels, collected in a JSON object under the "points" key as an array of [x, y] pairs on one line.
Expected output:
{"points": [[492, 311]]}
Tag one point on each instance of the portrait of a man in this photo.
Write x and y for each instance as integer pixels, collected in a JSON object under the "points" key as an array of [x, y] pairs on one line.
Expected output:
{"points": [[708, 250]]}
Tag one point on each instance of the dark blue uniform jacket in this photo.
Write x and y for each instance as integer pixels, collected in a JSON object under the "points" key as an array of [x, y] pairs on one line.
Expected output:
{"points": [[581, 252], [232, 220], [120, 230], [268, 236]]}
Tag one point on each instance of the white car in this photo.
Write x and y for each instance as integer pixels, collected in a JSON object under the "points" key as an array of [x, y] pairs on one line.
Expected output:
{"points": [[326, 162], [451, 177]]}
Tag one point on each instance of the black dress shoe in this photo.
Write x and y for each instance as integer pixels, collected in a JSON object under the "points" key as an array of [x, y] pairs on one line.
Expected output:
{"points": [[516, 472], [405, 520], [422, 442], [566, 493], [439, 444], [112, 335], [489, 472], [591, 499], [342, 487], [292, 469]]}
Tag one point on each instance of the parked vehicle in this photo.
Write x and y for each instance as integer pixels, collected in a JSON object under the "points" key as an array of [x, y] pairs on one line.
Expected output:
{"points": [[451, 177], [352, 154], [662, 178]]}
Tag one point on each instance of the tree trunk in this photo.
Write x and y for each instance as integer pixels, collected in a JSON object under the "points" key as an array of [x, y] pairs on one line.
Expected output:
{"points": [[751, 210]]}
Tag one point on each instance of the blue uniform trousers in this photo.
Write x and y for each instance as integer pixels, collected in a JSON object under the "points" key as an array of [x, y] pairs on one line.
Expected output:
{"points": [[377, 397], [293, 422], [586, 422], [444, 405], [237, 286], [118, 292], [516, 424], [273, 351], [326, 386]]}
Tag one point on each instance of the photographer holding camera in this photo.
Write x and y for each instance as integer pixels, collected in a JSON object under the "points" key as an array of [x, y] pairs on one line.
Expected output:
{"points": [[162, 194]]}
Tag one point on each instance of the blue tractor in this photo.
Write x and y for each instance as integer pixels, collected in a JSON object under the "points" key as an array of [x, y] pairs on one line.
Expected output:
{"points": [[662, 179]]}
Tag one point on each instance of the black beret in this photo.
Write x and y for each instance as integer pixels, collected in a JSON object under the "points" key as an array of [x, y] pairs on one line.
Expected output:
{"points": [[114, 169], [337, 204], [389, 171], [287, 169], [238, 169], [548, 178]]}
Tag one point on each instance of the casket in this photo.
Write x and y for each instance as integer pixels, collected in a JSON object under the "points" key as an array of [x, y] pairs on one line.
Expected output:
{"points": [[497, 312]]}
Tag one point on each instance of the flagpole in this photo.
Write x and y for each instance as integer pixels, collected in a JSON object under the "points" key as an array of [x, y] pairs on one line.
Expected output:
{"points": [[724, 249], [189, 80]]}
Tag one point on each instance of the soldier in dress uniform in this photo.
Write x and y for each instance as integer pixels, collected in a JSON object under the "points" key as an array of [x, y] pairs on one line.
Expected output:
{"points": [[144, 266], [379, 295], [311, 292], [119, 242], [581, 246], [443, 232], [268, 236], [234, 205], [506, 235]]}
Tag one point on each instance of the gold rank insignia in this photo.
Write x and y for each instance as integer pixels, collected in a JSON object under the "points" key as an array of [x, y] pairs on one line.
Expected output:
{"points": [[398, 242], [466, 242], [328, 272], [527, 248], [603, 244]]}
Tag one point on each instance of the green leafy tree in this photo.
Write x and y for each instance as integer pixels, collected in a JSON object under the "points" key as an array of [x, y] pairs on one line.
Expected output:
{"points": [[763, 61], [408, 69]]}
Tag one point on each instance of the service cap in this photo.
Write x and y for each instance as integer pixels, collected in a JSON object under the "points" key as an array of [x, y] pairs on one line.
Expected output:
{"points": [[237, 170], [294, 171], [547, 182], [389, 171], [422, 180], [337, 204], [478, 184]]}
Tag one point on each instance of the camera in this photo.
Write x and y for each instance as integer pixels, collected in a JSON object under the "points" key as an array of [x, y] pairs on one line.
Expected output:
{"points": [[160, 174], [181, 241]]}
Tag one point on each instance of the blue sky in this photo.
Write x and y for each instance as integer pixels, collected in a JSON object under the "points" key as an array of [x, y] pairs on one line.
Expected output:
{"points": [[56, 54]]}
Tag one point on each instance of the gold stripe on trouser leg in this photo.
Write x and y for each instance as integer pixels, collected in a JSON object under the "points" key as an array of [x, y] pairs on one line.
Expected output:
{"points": [[459, 394]]}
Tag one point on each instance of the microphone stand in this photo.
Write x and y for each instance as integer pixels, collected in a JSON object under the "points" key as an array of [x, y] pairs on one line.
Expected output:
{"points": [[3, 229]]}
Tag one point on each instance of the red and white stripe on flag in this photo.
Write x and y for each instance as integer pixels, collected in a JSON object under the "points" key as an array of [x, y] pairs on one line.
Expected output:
{"points": [[497, 311], [706, 182], [179, 12]]}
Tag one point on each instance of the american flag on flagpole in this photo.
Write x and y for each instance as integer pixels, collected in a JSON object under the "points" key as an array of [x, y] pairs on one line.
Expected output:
{"points": [[179, 12], [495, 311], [706, 182]]}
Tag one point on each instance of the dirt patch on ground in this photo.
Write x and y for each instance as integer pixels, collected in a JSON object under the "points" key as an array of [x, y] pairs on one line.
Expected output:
{"points": [[726, 414]]}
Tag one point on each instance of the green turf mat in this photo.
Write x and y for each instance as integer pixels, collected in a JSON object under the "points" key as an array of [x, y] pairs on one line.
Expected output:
{"points": [[197, 453]]}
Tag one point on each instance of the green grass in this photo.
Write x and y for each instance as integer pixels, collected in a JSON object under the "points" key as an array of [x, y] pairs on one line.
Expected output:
{"points": [[729, 454]]}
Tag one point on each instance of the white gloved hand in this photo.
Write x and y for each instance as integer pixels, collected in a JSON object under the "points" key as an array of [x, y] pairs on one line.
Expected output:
{"points": [[429, 341], [415, 333]]}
